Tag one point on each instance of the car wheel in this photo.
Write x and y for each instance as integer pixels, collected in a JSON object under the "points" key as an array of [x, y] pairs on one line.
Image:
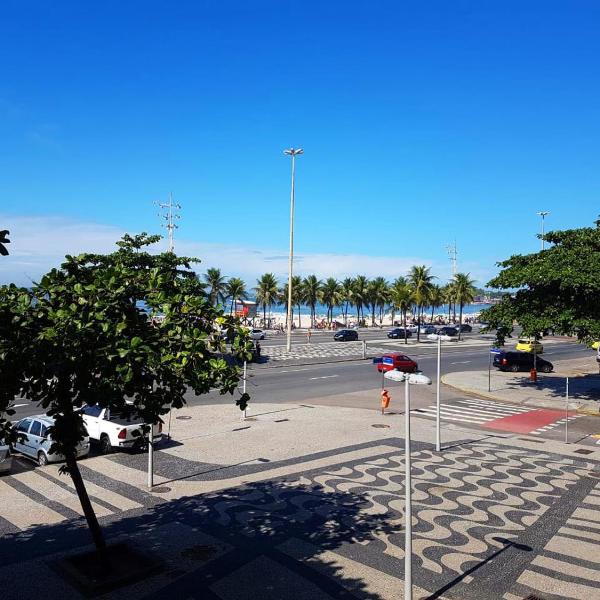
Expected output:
{"points": [[546, 369], [42, 459], [514, 368], [105, 445]]}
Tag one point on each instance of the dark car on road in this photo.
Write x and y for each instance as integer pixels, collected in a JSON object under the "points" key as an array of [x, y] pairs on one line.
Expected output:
{"points": [[450, 331], [521, 361], [398, 361], [464, 328], [398, 333], [345, 335]]}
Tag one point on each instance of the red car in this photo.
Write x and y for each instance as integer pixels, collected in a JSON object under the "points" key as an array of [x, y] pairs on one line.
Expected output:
{"points": [[398, 361]]}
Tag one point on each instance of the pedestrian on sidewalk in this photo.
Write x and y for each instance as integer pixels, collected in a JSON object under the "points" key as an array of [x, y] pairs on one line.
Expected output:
{"points": [[308, 334]]}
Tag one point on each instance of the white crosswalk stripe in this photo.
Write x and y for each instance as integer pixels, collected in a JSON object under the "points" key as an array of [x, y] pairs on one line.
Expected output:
{"points": [[473, 411]]}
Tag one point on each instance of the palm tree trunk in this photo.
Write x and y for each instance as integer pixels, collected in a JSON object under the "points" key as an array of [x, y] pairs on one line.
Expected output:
{"points": [[231, 309], [454, 312], [405, 333], [419, 312], [460, 321], [432, 309], [449, 309]]}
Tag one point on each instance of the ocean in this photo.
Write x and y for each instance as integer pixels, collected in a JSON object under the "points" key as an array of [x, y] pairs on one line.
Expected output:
{"points": [[321, 309]]}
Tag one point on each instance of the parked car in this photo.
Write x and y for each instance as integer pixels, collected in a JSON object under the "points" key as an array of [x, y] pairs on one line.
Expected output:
{"points": [[398, 361], [520, 361], [427, 329], [527, 345], [112, 428], [449, 331], [412, 328], [5, 459], [257, 334], [464, 328], [345, 335], [34, 441], [398, 333]]}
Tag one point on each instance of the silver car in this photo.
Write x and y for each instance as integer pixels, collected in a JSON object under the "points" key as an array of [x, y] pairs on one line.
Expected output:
{"points": [[5, 459], [34, 441]]}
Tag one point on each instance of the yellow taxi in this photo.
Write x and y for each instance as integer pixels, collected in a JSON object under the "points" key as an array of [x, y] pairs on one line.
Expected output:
{"points": [[595, 345], [525, 345]]}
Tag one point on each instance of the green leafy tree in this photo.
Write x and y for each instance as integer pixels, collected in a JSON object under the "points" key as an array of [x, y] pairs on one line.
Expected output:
{"points": [[217, 286], [346, 296], [236, 290], [401, 298], [312, 293], [436, 298], [360, 295], [464, 293], [267, 290], [330, 294], [421, 282], [86, 334], [556, 289]]}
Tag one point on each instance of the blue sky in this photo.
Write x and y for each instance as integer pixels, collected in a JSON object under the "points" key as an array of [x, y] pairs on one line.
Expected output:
{"points": [[421, 123]]}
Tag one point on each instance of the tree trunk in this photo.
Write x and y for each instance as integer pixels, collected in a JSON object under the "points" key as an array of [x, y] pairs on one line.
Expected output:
{"points": [[454, 312], [432, 309], [265, 315], [405, 333], [449, 309], [86, 505], [460, 321], [419, 312], [231, 309]]}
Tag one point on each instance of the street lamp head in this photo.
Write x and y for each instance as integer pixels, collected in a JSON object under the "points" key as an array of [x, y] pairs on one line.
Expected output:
{"points": [[543, 213], [293, 151]]}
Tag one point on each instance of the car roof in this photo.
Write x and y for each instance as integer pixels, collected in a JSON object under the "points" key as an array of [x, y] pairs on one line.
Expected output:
{"points": [[44, 418], [397, 354]]}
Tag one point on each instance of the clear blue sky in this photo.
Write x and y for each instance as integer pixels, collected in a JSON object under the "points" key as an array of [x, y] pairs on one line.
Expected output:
{"points": [[422, 122]]}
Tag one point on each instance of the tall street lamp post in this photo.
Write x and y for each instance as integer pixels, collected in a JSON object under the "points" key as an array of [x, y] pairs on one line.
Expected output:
{"points": [[293, 152], [409, 379], [543, 214]]}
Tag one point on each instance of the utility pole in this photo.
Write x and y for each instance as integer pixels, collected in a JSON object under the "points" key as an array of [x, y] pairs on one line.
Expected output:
{"points": [[543, 214], [170, 215], [293, 152], [453, 254]]}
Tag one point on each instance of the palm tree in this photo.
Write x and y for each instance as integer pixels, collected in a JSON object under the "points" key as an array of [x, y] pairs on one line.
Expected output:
{"points": [[312, 292], [436, 298], [297, 297], [464, 293], [217, 285], [330, 294], [346, 296], [421, 282], [377, 292], [360, 295], [266, 293], [236, 290], [449, 297], [401, 298]]}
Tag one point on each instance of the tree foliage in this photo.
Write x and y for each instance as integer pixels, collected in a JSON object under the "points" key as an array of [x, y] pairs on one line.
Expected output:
{"points": [[557, 288], [105, 328]]}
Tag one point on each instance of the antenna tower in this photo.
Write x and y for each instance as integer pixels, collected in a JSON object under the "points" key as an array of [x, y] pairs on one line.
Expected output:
{"points": [[453, 254], [170, 215]]}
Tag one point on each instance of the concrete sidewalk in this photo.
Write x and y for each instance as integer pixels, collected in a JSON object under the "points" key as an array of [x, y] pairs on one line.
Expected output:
{"points": [[548, 392], [306, 502]]}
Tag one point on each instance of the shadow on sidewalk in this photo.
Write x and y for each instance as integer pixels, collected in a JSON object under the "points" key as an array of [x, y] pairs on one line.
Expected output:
{"points": [[583, 387], [286, 526]]}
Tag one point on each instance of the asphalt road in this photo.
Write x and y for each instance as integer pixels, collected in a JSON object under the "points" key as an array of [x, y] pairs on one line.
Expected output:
{"points": [[340, 383]]}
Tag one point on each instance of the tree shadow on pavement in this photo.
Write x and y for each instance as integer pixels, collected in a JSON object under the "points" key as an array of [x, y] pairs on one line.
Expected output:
{"points": [[583, 387], [271, 539]]}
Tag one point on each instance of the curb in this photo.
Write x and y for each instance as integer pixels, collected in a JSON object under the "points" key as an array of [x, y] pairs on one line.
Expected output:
{"points": [[488, 395]]}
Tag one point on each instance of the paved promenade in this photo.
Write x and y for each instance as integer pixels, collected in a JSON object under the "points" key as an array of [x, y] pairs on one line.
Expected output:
{"points": [[307, 502]]}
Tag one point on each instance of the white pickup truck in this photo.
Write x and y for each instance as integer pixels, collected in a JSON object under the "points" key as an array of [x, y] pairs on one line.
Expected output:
{"points": [[113, 430]]}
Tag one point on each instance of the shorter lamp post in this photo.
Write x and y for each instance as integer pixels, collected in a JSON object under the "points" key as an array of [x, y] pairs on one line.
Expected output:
{"points": [[409, 379]]}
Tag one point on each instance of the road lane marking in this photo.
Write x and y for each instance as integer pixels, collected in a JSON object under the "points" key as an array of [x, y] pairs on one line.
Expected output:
{"points": [[324, 377], [461, 362]]}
